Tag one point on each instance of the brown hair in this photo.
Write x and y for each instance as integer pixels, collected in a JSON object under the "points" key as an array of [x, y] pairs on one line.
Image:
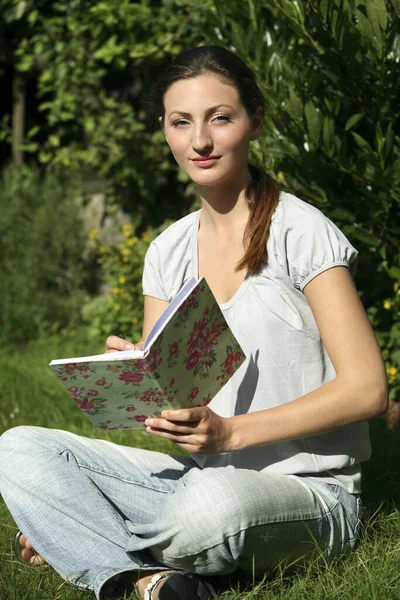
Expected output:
{"points": [[262, 192]]}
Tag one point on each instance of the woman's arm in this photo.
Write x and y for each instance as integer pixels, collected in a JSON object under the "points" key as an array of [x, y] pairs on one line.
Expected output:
{"points": [[153, 308], [358, 392]]}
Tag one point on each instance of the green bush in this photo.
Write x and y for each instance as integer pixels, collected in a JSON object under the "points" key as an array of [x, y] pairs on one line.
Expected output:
{"points": [[41, 248], [120, 309]]}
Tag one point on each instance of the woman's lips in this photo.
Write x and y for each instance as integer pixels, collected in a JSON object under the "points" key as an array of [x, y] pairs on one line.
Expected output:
{"points": [[205, 162]]}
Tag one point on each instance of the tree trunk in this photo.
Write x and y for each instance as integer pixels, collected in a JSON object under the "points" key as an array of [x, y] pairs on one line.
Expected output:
{"points": [[18, 119]]}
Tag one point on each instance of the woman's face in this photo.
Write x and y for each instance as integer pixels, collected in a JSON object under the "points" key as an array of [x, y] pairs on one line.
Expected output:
{"points": [[208, 129]]}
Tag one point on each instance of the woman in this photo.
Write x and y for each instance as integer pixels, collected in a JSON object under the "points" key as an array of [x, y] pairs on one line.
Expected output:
{"points": [[275, 458]]}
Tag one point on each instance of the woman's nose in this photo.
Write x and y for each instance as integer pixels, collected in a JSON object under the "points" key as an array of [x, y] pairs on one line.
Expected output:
{"points": [[201, 138]]}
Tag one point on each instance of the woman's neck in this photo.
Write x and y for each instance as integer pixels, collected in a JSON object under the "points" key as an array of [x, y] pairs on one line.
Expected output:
{"points": [[225, 207]]}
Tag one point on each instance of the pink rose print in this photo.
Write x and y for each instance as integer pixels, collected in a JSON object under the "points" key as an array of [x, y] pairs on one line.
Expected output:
{"points": [[156, 396], [83, 368], [229, 364], [196, 335], [130, 408], [92, 393], [194, 393], [171, 383], [101, 382], [210, 337], [207, 400], [85, 404], [140, 418], [129, 377], [70, 369], [193, 360], [189, 302], [173, 349], [73, 389]]}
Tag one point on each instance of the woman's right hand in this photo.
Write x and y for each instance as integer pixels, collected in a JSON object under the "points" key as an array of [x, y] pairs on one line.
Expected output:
{"points": [[117, 344]]}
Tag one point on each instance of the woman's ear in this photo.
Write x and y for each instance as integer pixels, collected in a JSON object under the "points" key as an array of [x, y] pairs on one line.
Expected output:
{"points": [[161, 121], [257, 123]]}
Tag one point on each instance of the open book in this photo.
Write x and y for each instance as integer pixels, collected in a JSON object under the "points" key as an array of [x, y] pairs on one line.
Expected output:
{"points": [[189, 355]]}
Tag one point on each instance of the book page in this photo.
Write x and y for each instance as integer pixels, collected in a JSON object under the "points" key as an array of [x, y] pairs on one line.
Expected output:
{"points": [[109, 356], [170, 310]]}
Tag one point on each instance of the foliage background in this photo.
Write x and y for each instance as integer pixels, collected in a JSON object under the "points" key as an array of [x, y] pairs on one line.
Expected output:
{"points": [[329, 70]]}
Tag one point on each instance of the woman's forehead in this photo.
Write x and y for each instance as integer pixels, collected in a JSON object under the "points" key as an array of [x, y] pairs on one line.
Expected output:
{"points": [[206, 91]]}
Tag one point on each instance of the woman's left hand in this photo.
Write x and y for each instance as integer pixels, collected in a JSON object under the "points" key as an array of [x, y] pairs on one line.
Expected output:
{"points": [[197, 430]]}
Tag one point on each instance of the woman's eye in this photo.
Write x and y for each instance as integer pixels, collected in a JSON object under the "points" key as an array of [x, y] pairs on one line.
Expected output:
{"points": [[222, 118], [179, 123]]}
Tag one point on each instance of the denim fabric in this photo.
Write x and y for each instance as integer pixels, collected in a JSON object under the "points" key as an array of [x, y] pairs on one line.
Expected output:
{"points": [[94, 509]]}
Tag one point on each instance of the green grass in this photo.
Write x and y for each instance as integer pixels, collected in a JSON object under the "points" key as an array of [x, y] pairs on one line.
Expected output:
{"points": [[30, 394]]}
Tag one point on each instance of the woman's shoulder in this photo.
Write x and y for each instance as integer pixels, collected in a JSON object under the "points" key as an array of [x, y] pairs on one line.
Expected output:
{"points": [[292, 211], [176, 233]]}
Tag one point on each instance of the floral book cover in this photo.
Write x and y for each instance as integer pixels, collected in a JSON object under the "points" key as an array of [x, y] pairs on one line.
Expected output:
{"points": [[186, 365]]}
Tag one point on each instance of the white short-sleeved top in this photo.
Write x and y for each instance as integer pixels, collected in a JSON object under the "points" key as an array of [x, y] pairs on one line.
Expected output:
{"points": [[274, 324]]}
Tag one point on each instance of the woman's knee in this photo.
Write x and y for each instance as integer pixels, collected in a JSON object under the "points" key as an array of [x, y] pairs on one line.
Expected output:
{"points": [[210, 505], [14, 438]]}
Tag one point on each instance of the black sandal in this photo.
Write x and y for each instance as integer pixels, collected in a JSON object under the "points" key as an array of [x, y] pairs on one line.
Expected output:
{"points": [[180, 585]]}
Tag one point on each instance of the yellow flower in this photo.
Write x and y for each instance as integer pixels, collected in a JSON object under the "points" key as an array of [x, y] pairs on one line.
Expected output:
{"points": [[396, 286], [280, 177], [146, 237], [132, 241], [127, 229], [126, 252], [392, 374], [387, 304], [102, 249], [116, 290], [134, 320], [117, 307], [93, 234], [121, 280]]}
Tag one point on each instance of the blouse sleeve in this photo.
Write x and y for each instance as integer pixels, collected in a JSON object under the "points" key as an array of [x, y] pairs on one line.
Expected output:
{"points": [[313, 244], [152, 281]]}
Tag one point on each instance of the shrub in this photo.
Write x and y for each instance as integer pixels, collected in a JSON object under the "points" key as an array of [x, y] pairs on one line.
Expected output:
{"points": [[41, 247], [120, 309]]}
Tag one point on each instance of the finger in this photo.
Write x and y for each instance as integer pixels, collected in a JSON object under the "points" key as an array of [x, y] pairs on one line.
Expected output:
{"points": [[169, 435], [115, 344], [185, 414], [174, 426]]}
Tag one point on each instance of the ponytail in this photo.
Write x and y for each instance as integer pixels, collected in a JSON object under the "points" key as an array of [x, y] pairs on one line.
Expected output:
{"points": [[263, 197]]}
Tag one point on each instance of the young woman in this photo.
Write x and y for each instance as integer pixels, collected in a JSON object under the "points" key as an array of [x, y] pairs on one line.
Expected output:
{"points": [[275, 457]]}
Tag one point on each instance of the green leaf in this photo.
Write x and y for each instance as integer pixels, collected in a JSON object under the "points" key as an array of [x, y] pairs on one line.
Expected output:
{"points": [[365, 236], [324, 5], [379, 140], [382, 13], [54, 140], [394, 272], [313, 122], [361, 143], [293, 105], [328, 132], [33, 131], [341, 214], [354, 119], [89, 124], [389, 140], [396, 6]]}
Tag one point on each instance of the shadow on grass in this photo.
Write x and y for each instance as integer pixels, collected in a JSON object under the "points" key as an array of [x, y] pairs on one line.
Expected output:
{"points": [[381, 474]]}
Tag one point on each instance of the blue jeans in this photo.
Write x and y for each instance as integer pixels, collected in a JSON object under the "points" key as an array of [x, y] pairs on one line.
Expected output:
{"points": [[94, 509]]}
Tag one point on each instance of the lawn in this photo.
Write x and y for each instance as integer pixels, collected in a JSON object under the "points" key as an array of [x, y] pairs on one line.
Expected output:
{"points": [[30, 394]]}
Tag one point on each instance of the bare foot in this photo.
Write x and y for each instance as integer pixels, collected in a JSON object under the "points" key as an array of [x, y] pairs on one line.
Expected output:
{"points": [[28, 554]]}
